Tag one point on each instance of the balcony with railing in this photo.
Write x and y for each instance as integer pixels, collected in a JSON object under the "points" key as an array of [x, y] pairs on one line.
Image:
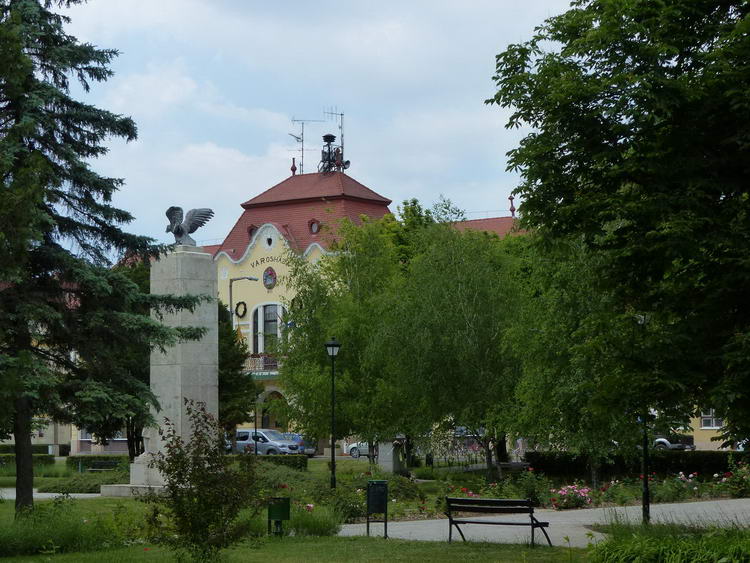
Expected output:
{"points": [[262, 366]]}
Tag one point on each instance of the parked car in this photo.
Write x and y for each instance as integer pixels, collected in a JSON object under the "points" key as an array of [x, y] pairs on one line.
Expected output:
{"points": [[674, 442], [307, 447], [269, 442], [358, 449]]}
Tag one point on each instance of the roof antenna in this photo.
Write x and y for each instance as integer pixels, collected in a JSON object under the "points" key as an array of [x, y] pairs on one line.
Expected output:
{"points": [[294, 167], [512, 207], [301, 139], [339, 117]]}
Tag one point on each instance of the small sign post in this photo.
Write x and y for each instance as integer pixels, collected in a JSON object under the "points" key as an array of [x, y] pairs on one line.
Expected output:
{"points": [[278, 510]]}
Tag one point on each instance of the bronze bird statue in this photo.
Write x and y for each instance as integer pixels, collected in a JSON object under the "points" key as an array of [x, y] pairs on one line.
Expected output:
{"points": [[182, 229]]}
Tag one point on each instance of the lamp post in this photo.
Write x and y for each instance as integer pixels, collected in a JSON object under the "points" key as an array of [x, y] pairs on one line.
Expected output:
{"points": [[332, 347], [642, 321], [231, 304]]}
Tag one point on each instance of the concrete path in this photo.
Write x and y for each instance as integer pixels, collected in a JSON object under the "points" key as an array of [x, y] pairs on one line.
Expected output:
{"points": [[10, 494], [571, 523]]}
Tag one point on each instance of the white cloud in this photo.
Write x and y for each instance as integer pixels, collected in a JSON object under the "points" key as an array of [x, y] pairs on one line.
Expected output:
{"points": [[213, 84]]}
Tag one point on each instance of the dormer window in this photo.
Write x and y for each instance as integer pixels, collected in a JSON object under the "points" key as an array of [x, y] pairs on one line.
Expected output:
{"points": [[314, 225], [251, 231]]}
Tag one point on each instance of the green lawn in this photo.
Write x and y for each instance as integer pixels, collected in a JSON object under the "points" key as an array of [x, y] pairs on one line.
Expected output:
{"points": [[319, 465], [340, 549]]}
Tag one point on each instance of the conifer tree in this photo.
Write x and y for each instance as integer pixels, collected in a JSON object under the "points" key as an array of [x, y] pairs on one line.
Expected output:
{"points": [[65, 313]]}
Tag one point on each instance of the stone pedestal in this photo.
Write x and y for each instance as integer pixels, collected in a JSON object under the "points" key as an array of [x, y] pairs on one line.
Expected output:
{"points": [[389, 457], [188, 369]]}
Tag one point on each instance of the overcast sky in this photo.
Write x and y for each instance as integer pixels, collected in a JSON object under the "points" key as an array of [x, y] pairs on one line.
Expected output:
{"points": [[214, 84]]}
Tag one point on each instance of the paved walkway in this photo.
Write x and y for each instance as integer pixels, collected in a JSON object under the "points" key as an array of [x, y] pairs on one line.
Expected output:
{"points": [[571, 523], [10, 494]]}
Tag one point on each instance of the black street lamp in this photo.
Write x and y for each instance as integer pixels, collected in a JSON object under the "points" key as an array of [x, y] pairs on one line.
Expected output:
{"points": [[332, 347], [642, 321]]}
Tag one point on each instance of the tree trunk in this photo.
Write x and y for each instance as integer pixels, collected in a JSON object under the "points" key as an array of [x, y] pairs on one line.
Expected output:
{"points": [[409, 452], [24, 460], [491, 473], [594, 467], [501, 448]]}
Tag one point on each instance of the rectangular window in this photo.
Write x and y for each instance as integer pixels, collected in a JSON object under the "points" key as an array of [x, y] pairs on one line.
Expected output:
{"points": [[270, 327], [709, 421], [256, 329]]}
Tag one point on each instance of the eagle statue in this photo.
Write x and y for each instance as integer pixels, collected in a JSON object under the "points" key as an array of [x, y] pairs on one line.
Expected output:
{"points": [[182, 229]]}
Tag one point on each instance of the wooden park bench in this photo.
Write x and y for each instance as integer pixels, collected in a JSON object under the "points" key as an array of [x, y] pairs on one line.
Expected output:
{"points": [[492, 506]]}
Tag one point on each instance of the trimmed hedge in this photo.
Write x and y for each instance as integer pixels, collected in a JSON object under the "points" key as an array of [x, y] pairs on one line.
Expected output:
{"points": [[82, 462], [35, 448], [565, 464], [38, 459], [294, 461]]}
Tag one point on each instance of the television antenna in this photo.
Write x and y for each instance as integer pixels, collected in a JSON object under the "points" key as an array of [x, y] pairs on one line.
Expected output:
{"points": [[301, 139]]}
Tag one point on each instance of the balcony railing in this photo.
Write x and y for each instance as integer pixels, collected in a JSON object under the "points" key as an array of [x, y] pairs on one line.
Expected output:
{"points": [[261, 363]]}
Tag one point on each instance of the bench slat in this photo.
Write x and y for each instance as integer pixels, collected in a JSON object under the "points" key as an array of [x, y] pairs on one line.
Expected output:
{"points": [[488, 501], [492, 509], [495, 523]]}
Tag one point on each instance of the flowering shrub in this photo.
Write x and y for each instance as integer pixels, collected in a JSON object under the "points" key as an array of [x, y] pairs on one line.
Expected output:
{"points": [[571, 496], [736, 482]]}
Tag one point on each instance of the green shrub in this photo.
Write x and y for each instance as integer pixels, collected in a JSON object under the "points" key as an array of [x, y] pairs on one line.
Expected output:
{"points": [[673, 543], [35, 448], [86, 482], [664, 462], [83, 462], [426, 473], [56, 527], [197, 514], [403, 488], [294, 461], [9, 460], [313, 520]]}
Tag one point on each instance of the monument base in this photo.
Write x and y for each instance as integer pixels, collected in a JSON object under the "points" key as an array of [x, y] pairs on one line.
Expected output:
{"points": [[130, 490]]}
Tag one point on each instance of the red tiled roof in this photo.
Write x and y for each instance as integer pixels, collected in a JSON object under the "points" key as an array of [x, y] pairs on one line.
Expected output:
{"points": [[500, 225], [315, 186], [212, 249], [292, 204]]}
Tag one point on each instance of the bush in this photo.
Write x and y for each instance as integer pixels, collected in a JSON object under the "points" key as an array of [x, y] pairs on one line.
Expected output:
{"points": [[9, 460], [571, 496], [671, 542], [403, 488], [426, 473], [312, 520], [197, 512], [35, 448], [86, 482], [572, 466], [83, 462], [56, 527], [294, 461]]}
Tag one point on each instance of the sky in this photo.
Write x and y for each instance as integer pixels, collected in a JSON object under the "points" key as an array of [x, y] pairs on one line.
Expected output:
{"points": [[213, 86]]}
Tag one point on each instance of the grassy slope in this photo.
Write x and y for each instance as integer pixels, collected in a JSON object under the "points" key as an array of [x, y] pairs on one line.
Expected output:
{"points": [[341, 550]]}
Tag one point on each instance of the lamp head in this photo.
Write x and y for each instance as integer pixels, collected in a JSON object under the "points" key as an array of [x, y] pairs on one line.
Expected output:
{"points": [[332, 347]]}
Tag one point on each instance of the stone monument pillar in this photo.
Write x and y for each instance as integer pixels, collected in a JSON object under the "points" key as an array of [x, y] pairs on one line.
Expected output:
{"points": [[188, 369]]}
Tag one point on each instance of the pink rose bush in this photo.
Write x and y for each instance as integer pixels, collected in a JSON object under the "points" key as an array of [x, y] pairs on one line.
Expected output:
{"points": [[571, 496]]}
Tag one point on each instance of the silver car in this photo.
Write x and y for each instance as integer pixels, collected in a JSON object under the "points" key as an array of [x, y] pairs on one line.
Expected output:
{"points": [[269, 442]]}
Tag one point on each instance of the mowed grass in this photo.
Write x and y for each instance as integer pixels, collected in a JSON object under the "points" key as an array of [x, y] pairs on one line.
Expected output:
{"points": [[305, 549], [319, 465], [339, 550]]}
